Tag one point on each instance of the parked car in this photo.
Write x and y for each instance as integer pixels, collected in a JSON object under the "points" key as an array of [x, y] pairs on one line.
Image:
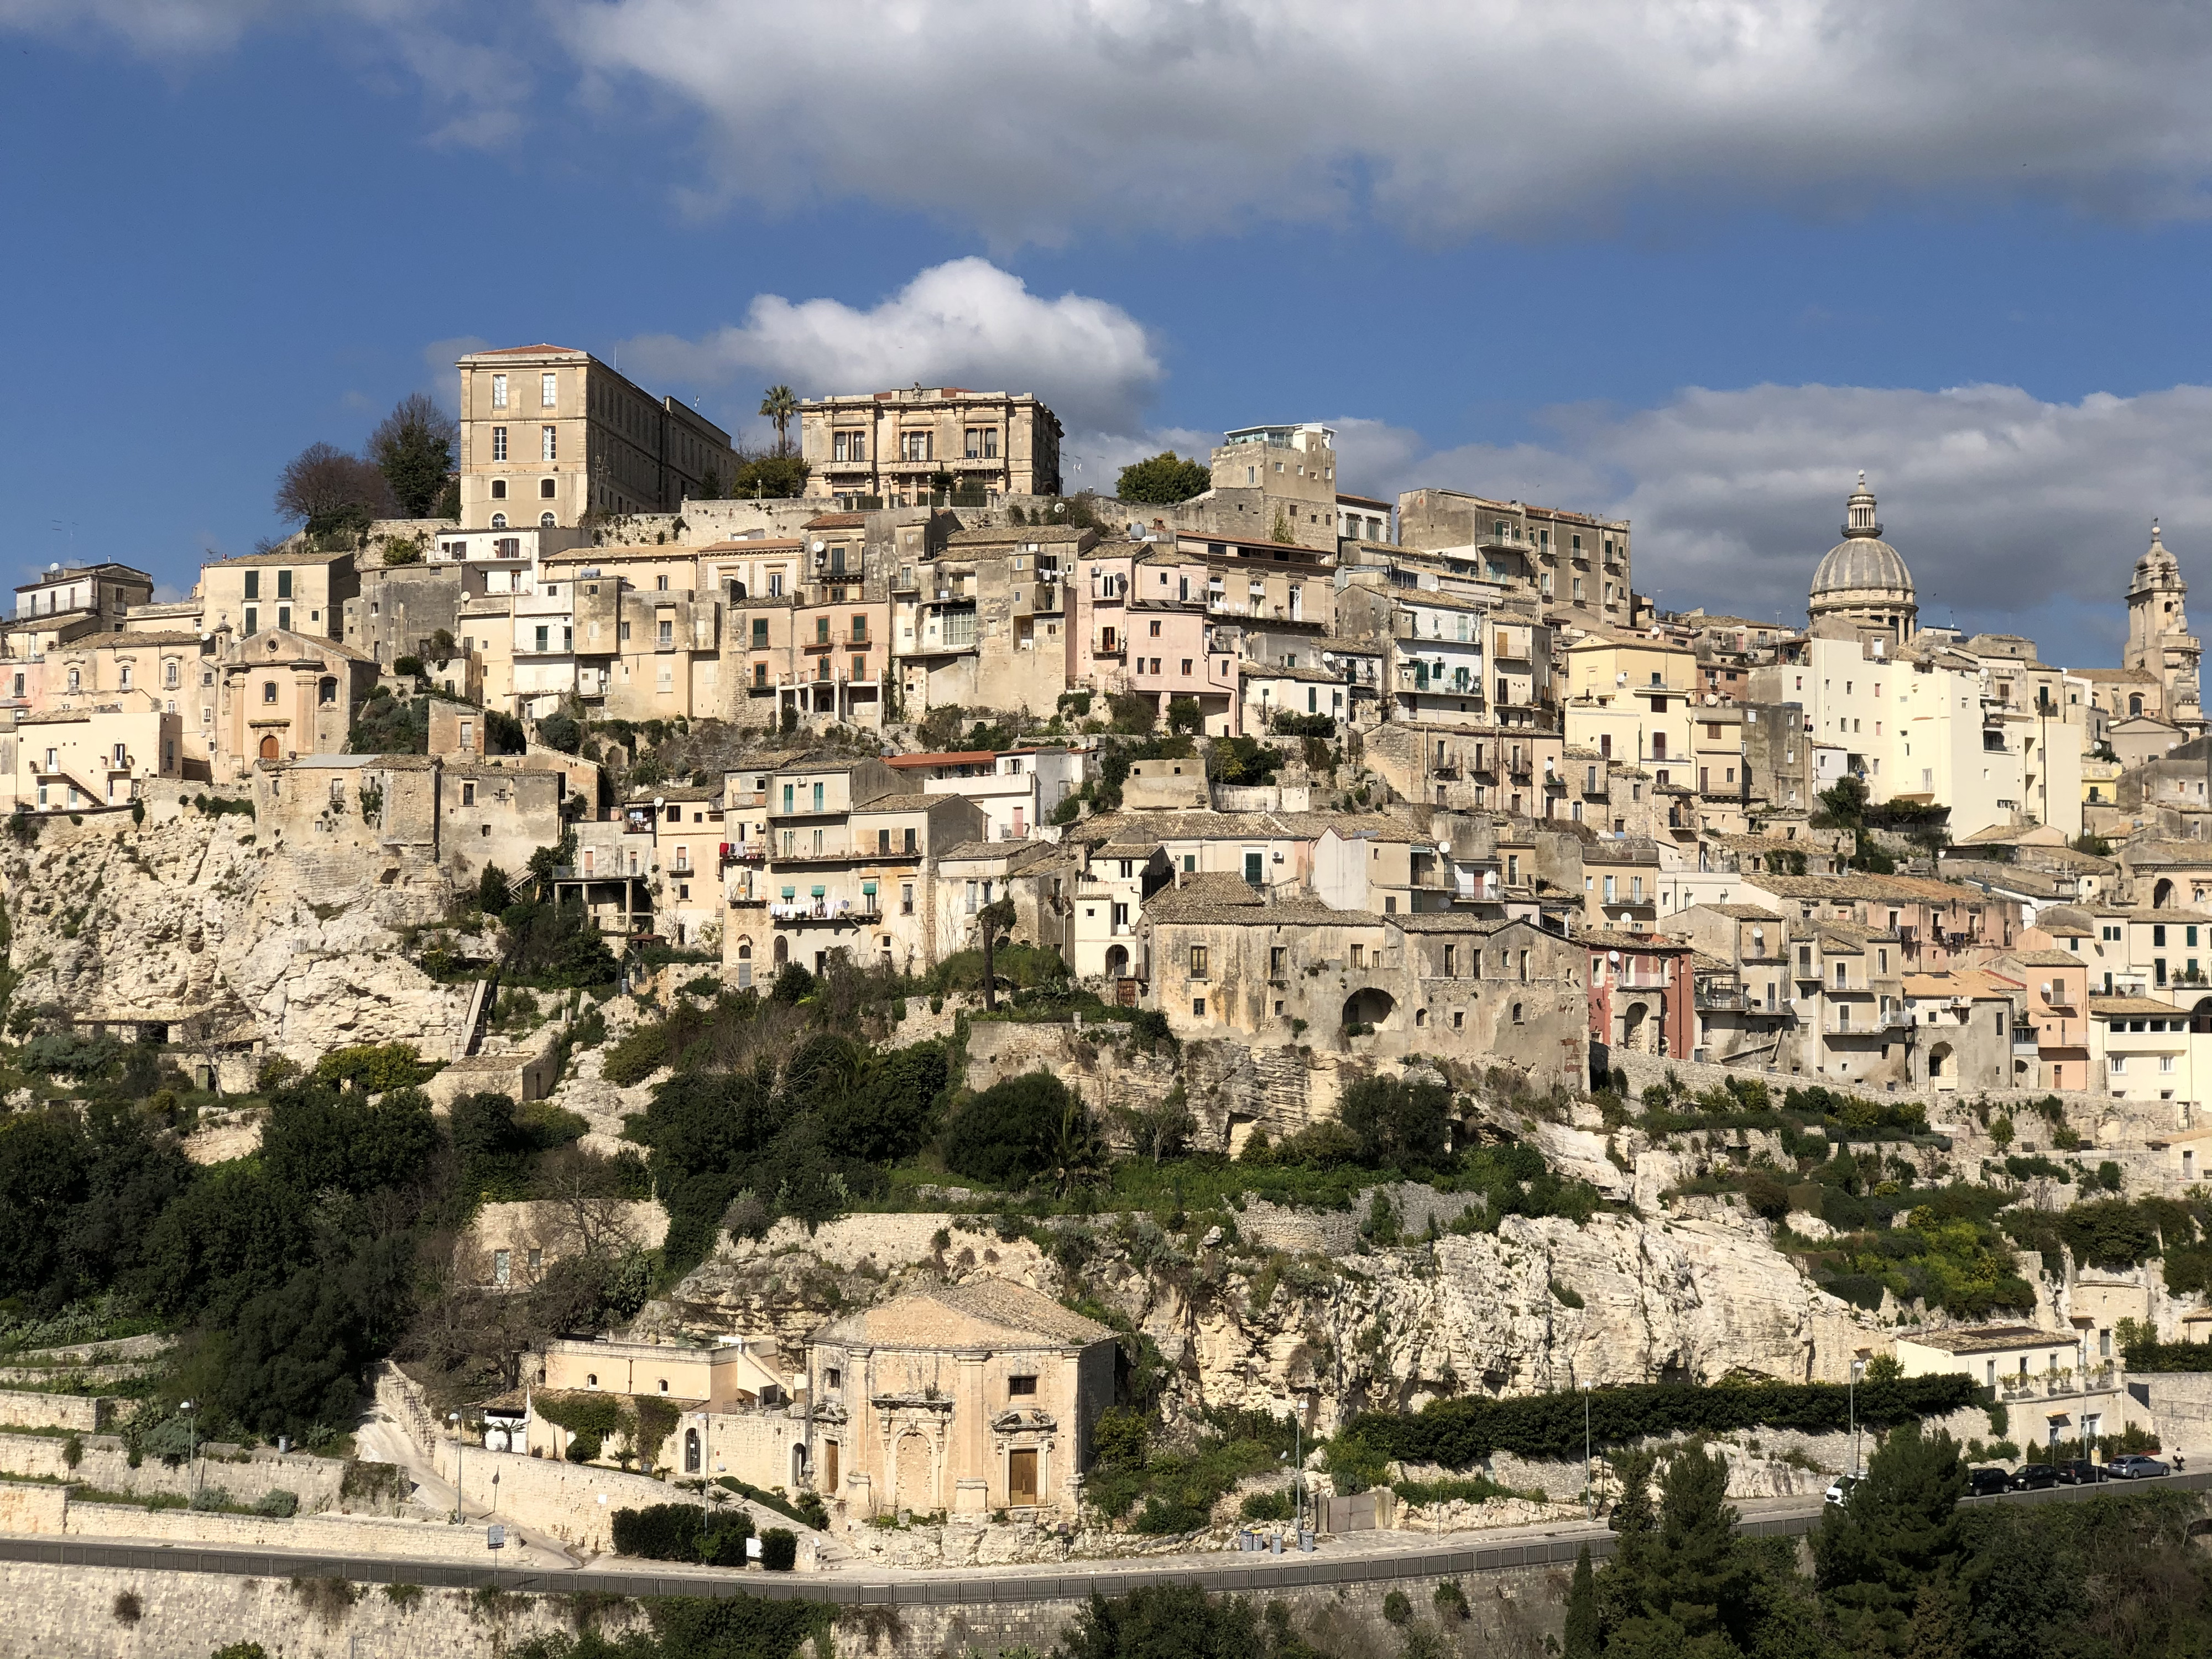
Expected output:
{"points": [[2034, 1477], [2081, 1472], [2132, 1466], [1839, 1489], [1987, 1482]]}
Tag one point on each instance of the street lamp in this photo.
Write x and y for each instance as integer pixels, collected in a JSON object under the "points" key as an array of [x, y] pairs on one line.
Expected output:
{"points": [[192, 1440], [1590, 1490], [454, 1418], [1851, 1401]]}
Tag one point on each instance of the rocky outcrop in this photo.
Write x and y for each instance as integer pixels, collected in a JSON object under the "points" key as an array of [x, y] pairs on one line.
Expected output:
{"points": [[1244, 1324], [192, 916]]}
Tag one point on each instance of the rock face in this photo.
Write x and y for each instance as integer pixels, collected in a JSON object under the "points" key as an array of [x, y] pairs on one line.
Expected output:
{"points": [[192, 915], [1245, 1326]]}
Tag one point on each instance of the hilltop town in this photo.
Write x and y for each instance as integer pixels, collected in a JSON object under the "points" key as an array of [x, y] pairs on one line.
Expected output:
{"points": [[929, 1021]]}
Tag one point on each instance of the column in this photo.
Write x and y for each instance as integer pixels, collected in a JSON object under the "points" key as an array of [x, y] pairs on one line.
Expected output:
{"points": [[968, 1457]]}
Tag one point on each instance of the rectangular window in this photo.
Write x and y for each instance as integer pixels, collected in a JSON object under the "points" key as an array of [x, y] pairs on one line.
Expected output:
{"points": [[1198, 962], [548, 390], [906, 890], [760, 633], [284, 584], [253, 584], [498, 391], [914, 445], [861, 637], [817, 797], [499, 443], [760, 676], [548, 445], [1021, 1385], [787, 797]]}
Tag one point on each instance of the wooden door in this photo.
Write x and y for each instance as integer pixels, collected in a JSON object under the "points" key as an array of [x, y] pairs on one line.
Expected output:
{"points": [[829, 1475], [268, 747], [1021, 1479]]}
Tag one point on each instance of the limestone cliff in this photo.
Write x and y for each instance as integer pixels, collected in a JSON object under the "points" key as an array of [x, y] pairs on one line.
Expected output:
{"points": [[191, 915]]}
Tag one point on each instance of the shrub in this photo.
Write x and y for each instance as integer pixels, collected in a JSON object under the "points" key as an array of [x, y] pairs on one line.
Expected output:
{"points": [[277, 1501], [1397, 1608], [1004, 1135], [375, 1067], [128, 1609], [1268, 1506], [1457, 1432], [1450, 1601], [779, 1549], [637, 1056]]}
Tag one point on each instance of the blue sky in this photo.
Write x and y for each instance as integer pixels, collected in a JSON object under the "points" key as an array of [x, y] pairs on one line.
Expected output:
{"points": [[1693, 265]]}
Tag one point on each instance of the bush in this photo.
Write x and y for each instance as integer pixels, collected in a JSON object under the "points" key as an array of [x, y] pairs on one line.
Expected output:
{"points": [[278, 1501], [779, 1549], [1455, 1433], [637, 1056], [375, 1067], [1006, 1134], [1268, 1506], [1397, 1607]]}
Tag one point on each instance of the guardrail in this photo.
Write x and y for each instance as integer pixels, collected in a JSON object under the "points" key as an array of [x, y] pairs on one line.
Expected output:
{"points": [[1226, 1572]]}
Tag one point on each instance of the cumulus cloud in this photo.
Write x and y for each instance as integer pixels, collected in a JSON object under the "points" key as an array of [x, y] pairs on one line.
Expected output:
{"points": [[963, 322], [1448, 117], [2013, 513]]}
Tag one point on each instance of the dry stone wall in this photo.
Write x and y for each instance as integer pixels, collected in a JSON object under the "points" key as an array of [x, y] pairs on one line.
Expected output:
{"points": [[83, 1413], [104, 1465]]}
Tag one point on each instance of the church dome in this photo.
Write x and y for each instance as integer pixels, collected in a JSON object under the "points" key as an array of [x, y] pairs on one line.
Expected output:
{"points": [[2157, 567], [1862, 569]]}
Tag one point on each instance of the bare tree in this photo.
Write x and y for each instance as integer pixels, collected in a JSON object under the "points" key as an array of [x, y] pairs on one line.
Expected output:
{"points": [[329, 489]]}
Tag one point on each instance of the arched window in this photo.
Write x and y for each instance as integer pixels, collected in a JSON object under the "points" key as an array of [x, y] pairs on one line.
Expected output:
{"points": [[745, 964], [546, 520], [2135, 703], [326, 691], [690, 1451], [499, 521]]}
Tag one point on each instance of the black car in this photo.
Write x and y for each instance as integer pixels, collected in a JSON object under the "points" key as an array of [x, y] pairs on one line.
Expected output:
{"points": [[2033, 1477], [1986, 1483], [2081, 1472]]}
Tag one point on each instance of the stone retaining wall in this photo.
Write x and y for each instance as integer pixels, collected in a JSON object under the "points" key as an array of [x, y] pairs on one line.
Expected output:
{"points": [[103, 1463], [334, 1535], [29, 1508], [83, 1413], [576, 1502]]}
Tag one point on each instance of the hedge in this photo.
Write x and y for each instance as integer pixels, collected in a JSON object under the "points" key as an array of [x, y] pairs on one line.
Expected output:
{"points": [[1455, 1433], [779, 1549], [683, 1532], [2167, 1357]]}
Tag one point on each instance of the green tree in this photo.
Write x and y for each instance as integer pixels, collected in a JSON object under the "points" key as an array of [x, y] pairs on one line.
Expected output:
{"points": [[413, 447], [993, 922], [779, 403], [1162, 480], [493, 896], [769, 478], [1398, 1125], [1583, 1633], [1007, 1134], [1899, 1531]]}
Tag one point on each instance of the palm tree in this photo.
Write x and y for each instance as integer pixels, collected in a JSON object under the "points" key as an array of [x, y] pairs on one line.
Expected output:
{"points": [[780, 404]]}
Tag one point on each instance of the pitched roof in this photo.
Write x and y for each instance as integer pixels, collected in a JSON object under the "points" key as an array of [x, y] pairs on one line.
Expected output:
{"points": [[983, 1312], [1014, 534], [2047, 959], [2127, 1008], [837, 521]]}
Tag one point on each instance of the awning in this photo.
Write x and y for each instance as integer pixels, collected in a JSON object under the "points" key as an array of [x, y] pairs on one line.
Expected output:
{"points": [[791, 892], [868, 887], [817, 892]]}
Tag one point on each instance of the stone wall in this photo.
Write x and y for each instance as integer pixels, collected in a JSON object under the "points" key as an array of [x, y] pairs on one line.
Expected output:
{"points": [[2176, 1406], [351, 1536], [54, 1611], [576, 1502], [104, 1465], [29, 1508], [83, 1413]]}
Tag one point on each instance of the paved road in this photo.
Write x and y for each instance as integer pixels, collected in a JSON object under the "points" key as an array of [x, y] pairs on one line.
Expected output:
{"points": [[1396, 1555]]}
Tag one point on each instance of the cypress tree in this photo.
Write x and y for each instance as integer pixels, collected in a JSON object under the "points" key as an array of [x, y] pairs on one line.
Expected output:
{"points": [[1582, 1637]]}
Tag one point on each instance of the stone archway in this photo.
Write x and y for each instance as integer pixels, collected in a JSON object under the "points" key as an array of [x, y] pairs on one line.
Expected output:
{"points": [[1117, 962], [690, 1451], [1368, 1006], [1941, 1070], [782, 950], [2162, 896], [1635, 1025]]}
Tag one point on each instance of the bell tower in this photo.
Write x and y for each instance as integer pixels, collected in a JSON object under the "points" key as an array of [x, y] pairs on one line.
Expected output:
{"points": [[2159, 639]]}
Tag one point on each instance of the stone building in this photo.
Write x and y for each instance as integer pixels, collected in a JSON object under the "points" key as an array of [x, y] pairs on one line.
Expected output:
{"points": [[2159, 639], [294, 589], [65, 603], [1862, 582], [985, 623], [286, 694], [1571, 561], [873, 449], [1219, 952], [966, 1399], [394, 811], [550, 433]]}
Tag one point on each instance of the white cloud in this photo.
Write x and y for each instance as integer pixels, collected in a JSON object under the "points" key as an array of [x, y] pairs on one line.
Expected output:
{"points": [[2011, 512], [1451, 117], [964, 323]]}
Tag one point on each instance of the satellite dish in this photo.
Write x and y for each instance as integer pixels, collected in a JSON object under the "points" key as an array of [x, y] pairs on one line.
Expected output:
{"points": [[1612, 957]]}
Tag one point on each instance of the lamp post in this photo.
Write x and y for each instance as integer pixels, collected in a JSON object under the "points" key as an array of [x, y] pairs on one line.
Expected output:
{"points": [[454, 1418], [1851, 1401], [192, 1440], [1589, 1491]]}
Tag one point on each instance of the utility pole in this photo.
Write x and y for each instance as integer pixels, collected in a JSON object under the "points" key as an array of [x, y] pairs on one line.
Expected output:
{"points": [[1851, 1401]]}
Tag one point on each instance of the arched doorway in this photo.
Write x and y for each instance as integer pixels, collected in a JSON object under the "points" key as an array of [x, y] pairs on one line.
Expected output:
{"points": [[690, 1451], [798, 1467], [2161, 896], [1117, 962], [268, 748], [1367, 1007], [1636, 1027], [2134, 705], [1941, 1072], [2200, 1017], [782, 950], [745, 964]]}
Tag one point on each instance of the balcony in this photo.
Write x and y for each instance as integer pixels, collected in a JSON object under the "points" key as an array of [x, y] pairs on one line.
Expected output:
{"points": [[823, 910]]}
